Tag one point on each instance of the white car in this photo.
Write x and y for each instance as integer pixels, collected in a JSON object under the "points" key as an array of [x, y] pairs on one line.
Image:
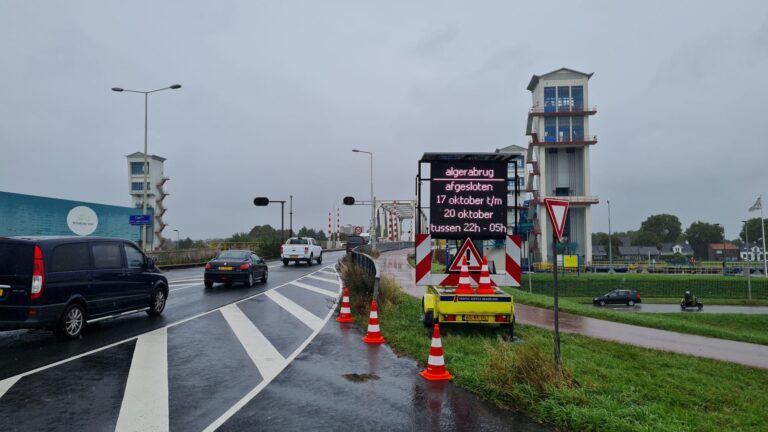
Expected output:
{"points": [[298, 249]]}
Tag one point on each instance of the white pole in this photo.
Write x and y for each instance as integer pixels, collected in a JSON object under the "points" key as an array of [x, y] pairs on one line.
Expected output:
{"points": [[762, 225]]}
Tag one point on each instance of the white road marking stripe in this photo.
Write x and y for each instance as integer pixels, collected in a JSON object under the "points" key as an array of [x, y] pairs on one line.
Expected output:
{"points": [[276, 265], [145, 402], [315, 289], [322, 279], [264, 355], [186, 287], [186, 279], [256, 390], [299, 312], [192, 282], [7, 383], [328, 272]]}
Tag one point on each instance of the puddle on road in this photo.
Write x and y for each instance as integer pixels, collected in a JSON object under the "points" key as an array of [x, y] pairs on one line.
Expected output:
{"points": [[359, 378]]}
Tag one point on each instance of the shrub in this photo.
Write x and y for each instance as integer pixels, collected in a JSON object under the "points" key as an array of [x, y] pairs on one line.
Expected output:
{"points": [[523, 374]]}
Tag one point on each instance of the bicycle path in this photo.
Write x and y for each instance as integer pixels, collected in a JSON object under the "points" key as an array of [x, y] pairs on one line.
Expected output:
{"points": [[395, 265]]}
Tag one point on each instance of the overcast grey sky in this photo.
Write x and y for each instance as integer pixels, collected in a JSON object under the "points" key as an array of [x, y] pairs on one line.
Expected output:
{"points": [[276, 94]]}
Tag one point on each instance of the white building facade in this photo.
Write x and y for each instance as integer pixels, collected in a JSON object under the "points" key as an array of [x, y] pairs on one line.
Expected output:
{"points": [[558, 154], [155, 193]]}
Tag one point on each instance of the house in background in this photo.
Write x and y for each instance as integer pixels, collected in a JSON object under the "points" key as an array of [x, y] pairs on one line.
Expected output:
{"points": [[676, 248], [722, 252], [638, 253]]}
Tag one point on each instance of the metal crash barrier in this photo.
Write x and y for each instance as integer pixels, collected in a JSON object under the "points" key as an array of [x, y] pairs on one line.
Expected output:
{"points": [[362, 259]]}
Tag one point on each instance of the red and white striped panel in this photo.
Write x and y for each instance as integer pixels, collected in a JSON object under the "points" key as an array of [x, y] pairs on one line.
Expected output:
{"points": [[510, 276]]}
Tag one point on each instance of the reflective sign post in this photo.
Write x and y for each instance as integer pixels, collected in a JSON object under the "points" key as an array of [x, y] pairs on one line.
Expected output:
{"points": [[557, 318], [557, 209]]}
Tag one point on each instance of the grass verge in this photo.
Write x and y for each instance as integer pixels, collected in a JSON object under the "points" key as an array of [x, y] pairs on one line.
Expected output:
{"points": [[606, 387], [738, 327]]}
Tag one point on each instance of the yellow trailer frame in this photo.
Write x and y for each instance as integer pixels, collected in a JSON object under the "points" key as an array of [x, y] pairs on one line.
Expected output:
{"points": [[443, 305]]}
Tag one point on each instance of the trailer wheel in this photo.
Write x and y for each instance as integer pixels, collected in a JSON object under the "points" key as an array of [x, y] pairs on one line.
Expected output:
{"points": [[428, 318]]}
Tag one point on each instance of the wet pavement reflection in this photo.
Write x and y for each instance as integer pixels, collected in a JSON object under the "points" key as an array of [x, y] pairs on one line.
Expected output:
{"points": [[394, 264]]}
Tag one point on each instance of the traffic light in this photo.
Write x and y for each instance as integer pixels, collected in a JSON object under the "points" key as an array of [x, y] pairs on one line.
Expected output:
{"points": [[261, 201], [349, 200]]}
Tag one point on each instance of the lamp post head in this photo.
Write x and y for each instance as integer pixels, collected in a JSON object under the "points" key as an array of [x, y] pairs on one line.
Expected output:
{"points": [[175, 86], [356, 150], [117, 89]]}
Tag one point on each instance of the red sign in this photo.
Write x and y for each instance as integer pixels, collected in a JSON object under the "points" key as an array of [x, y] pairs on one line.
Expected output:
{"points": [[558, 212], [474, 261], [358, 230]]}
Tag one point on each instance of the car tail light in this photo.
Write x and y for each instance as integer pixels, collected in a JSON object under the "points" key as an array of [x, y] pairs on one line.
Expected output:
{"points": [[281, 249], [306, 249], [208, 266], [638, 296], [502, 318], [245, 266], [38, 273], [449, 317]]}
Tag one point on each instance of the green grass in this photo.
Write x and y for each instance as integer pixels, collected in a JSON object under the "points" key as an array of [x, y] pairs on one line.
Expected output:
{"points": [[615, 387], [738, 327]]}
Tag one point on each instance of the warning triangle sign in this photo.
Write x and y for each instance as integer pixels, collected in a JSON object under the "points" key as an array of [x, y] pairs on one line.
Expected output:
{"points": [[557, 209], [474, 260]]}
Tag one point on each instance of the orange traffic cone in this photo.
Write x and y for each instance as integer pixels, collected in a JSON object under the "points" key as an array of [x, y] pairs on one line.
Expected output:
{"points": [[374, 334], [464, 280], [485, 279], [436, 364], [346, 314]]}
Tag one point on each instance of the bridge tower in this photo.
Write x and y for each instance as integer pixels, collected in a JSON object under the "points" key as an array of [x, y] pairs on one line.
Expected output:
{"points": [[558, 125], [156, 193]]}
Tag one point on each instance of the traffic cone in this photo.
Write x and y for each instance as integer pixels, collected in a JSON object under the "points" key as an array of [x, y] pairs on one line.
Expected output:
{"points": [[374, 334], [346, 314], [464, 280], [436, 364], [485, 279]]}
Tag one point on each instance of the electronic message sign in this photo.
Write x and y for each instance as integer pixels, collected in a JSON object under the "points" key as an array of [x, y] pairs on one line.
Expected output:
{"points": [[468, 199]]}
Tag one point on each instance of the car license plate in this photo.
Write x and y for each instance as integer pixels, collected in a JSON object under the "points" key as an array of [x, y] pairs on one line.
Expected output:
{"points": [[294, 256], [475, 318], [225, 268]]}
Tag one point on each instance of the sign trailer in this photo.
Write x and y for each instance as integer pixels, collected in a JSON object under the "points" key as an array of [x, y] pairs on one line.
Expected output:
{"points": [[467, 203]]}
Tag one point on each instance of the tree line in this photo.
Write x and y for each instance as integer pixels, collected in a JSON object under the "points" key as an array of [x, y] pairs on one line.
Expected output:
{"points": [[666, 228]]}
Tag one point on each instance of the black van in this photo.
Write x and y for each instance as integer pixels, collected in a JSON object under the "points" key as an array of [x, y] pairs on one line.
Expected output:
{"points": [[60, 283]]}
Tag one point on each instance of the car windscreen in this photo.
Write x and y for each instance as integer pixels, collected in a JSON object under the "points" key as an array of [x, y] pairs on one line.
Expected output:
{"points": [[16, 258], [232, 255], [298, 241]]}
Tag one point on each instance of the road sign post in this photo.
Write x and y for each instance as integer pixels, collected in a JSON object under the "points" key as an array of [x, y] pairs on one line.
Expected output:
{"points": [[558, 212]]}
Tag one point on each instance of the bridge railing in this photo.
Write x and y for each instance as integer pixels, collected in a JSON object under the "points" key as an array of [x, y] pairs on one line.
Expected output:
{"points": [[362, 257]]}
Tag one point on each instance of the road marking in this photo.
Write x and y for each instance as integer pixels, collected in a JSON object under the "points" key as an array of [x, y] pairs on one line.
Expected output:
{"points": [[145, 402], [183, 287], [323, 279], [256, 390], [330, 273], [264, 355], [276, 265], [299, 312], [13, 379], [315, 289], [197, 278], [7, 383]]}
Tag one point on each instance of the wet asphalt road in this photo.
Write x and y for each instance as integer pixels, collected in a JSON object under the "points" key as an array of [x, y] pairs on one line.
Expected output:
{"points": [[264, 358], [673, 308], [25, 350]]}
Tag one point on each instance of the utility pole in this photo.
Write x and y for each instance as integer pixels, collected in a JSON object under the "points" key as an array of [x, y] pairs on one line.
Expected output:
{"points": [[610, 240], [290, 221]]}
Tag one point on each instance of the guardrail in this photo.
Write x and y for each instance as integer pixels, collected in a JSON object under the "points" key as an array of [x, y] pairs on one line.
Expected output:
{"points": [[368, 263]]}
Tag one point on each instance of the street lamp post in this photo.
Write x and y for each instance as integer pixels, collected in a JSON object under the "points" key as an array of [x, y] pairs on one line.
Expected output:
{"points": [[262, 201], [610, 240], [177, 237], [747, 260], [373, 202], [146, 160]]}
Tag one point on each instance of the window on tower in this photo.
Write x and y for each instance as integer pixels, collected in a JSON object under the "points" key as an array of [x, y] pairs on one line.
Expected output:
{"points": [[564, 98], [137, 168], [550, 129], [564, 129], [577, 93], [549, 99]]}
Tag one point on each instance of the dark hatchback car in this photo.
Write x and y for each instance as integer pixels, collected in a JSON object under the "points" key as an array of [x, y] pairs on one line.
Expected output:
{"points": [[62, 283], [235, 266], [627, 297]]}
